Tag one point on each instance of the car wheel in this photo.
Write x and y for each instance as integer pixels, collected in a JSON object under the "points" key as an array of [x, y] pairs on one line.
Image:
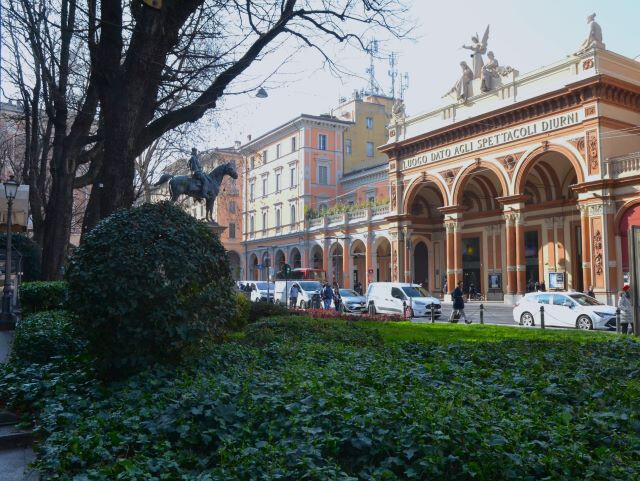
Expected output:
{"points": [[372, 309], [584, 323], [526, 319]]}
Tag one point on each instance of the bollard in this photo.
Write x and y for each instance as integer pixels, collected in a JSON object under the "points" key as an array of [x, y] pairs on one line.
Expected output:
{"points": [[618, 326], [404, 308], [433, 319], [481, 313], [541, 317]]}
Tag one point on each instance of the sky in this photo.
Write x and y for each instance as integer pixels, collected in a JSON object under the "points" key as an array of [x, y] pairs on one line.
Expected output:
{"points": [[524, 35]]}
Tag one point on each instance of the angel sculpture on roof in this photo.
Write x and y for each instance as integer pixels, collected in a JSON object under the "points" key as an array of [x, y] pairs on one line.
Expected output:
{"points": [[479, 48]]}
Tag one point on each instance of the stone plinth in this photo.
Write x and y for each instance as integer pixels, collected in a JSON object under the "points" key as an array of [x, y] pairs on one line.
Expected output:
{"points": [[216, 228]]}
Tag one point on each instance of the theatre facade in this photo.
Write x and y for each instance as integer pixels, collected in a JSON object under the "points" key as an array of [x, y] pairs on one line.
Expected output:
{"points": [[535, 179]]}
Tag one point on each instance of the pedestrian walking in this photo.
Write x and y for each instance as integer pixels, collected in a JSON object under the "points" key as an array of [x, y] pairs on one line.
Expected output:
{"points": [[626, 311], [458, 305], [293, 296], [337, 298], [327, 296]]}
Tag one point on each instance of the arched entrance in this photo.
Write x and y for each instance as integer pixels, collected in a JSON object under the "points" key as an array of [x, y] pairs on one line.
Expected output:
{"points": [[630, 217], [254, 273], [317, 257], [421, 264], [359, 256], [335, 264], [266, 265], [234, 264], [279, 260], [545, 181], [295, 259], [383, 261]]}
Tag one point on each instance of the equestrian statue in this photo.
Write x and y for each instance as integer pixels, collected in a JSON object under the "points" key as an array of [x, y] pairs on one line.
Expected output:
{"points": [[199, 185]]}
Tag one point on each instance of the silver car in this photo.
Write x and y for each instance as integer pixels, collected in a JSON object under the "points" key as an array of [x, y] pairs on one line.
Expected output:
{"points": [[352, 301]]}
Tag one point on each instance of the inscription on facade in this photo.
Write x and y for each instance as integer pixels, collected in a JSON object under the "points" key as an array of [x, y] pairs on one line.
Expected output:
{"points": [[494, 140]]}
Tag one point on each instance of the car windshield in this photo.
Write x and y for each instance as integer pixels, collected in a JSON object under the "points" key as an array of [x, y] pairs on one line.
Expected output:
{"points": [[263, 285], [423, 291], [348, 293], [412, 292], [585, 300], [310, 286]]}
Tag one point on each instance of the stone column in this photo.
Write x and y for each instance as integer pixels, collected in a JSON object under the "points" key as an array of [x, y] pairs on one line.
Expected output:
{"points": [[408, 255], [450, 259], [346, 264], [368, 261], [325, 258], [550, 246], [510, 244], [585, 233], [457, 250], [521, 266]]}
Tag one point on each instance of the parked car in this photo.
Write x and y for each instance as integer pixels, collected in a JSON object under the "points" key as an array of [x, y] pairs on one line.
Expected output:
{"points": [[260, 290], [308, 295], [394, 297], [352, 301], [564, 309]]}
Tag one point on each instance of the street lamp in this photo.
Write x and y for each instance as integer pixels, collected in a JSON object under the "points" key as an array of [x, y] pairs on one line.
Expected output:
{"points": [[7, 317]]}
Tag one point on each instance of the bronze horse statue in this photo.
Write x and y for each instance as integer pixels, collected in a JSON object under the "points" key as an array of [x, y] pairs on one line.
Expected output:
{"points": [[192, 187]]}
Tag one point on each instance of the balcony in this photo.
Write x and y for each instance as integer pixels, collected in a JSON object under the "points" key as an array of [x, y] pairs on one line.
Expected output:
{"points": [[347, 215], [623, 166]]}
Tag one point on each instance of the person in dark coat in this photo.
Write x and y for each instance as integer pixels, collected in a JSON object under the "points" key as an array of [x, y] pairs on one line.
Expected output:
{"points": [[458, 304], [590, 292], [327, 296]]}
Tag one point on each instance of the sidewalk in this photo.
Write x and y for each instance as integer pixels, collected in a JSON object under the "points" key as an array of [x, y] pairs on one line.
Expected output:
{"points": [[14, 462]]}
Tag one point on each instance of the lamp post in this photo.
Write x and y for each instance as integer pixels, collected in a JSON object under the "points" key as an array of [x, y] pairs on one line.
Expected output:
{"points": [[7, 317]]}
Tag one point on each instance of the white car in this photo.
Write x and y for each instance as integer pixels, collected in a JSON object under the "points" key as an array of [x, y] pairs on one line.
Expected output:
{"points": [[261, 290], [564, 309], [307, 290], [395, 297]]}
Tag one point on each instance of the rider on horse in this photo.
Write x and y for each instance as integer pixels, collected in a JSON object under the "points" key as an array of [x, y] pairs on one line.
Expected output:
{"points": [[198, 174]]}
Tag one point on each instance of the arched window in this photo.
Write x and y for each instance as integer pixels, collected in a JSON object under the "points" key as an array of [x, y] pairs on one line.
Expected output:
{"points": [[293, 214]]}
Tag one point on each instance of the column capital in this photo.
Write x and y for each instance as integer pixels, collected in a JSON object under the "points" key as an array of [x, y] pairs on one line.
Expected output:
{"points": [[514, 217], [549, 222], [452, 226]]}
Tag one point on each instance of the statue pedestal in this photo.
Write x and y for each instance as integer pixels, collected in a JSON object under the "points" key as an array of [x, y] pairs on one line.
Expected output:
{"points": [[216, 228]]}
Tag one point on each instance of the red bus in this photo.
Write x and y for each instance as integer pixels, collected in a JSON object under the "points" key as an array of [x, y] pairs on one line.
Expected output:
{"points": [[306, 274]]}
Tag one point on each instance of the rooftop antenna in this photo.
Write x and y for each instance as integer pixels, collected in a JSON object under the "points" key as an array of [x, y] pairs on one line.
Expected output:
{"points": [[372, 50], [404, 84], [393, 72]]}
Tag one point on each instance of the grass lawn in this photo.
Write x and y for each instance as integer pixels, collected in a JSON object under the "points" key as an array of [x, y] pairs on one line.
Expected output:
{"points": [[451, 333]]}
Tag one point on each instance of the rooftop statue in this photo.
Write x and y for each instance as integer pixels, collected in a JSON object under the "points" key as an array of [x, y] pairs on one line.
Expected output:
{"points": [[594, 38], [491, 73], [479, 48], [398, 113], [462, 88], [199, 185]]}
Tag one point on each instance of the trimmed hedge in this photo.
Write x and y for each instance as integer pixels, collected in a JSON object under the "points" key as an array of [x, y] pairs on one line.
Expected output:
{"points": [[148, 284], [266, 309], [42, 295], [242, 313], [44, 335]]}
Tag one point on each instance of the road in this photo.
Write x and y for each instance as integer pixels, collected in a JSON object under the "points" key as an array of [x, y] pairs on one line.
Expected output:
{"points": [[493, 313]]}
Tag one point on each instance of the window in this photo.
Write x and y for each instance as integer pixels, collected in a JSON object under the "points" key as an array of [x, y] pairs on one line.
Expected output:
{"points": [[278, 218], [278, 151], [293, 144], [264, 221], [322, 142], [369, 149], [252, 189], [252, 225], [264, 186], [293, 177], [253, 162], [264, 156], [369, 122], [347, 146], [278, 182], [293, 214], [323, 175], [322, 207], [397, 293], [544, 299], [232, 230], [371, 199], [232, 207]]}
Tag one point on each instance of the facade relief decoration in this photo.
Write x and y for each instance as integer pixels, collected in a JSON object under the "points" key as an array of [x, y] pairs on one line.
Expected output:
{"points": [[450, 175], [578, 143], [394, 200], [590, 110], [509, 162], [587, 64], [592, 152], [597, 249]]}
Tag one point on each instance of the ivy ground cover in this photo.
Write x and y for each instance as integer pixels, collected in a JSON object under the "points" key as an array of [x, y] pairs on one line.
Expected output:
{"points": [[319, 400]]}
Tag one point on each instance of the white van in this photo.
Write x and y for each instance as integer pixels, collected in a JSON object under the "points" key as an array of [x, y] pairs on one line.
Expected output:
{"points": [[393, 297], [260, 290], [306, 291]]}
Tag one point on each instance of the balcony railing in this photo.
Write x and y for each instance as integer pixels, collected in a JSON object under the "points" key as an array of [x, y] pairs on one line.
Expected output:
{"points": [[625, 166], [380, 210]]}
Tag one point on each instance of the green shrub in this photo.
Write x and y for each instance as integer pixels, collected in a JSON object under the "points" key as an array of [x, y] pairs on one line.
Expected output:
{"points": [[242, 312], [42, 295], [44, 335], [149, 283], [31, 255], [266, 309]]}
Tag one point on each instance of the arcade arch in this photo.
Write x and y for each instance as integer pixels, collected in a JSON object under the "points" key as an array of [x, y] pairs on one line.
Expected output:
{"points": [[382, 272], [359, 256], [478, 186], [335, 263], [295, 259], [254, 273], [317, 257], [280, 259]]}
